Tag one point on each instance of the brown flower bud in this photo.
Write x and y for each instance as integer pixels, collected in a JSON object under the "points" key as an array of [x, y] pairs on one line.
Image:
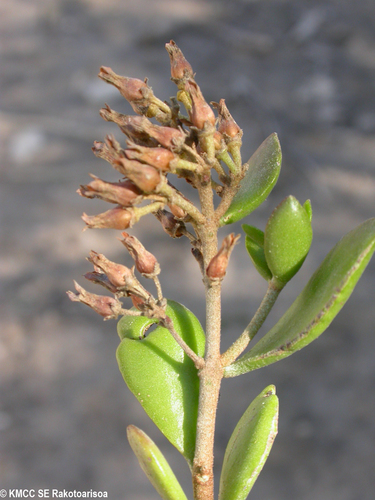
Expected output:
{"points": [[200, 112], [146, 178], [116, 218], [123, 193], [130, 88], [145, 262], [172, 226], [180, 68], [156, 157], [227, 125], [108, 307], [216, 269]]}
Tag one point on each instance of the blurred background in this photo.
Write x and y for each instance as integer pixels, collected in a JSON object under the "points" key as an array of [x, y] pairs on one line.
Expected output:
{"points": [[302, 68]]}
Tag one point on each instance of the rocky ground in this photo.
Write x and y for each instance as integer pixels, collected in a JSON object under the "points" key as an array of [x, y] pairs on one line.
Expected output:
{"points": [[303, 69]]}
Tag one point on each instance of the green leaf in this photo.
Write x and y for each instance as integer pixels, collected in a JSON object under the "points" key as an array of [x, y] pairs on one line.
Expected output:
{"points": [[249, 446], [154, 465], [254, 243], [307, 206], [161, 376], [320, 301], [261, 176], [287, 239]]}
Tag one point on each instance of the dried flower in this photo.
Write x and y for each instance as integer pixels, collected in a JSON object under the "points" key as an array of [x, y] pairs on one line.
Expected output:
{"points": [[108, 307], [172, 226], [157, 157], [120, 276], [145, 262], [116, 218], [146, 178], [219, 263], [227, 126], [180, 68], [123, 193], [200, 112], [100, 278]]}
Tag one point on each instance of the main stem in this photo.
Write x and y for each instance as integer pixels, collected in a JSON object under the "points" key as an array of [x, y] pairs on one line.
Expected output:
{"points": [[212, 373]]}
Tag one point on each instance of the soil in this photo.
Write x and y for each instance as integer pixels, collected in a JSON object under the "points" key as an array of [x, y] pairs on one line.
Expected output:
{"points": [[303, 69]]}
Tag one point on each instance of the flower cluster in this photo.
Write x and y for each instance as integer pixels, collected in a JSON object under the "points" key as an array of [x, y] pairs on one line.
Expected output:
{"points": [[192, 146]]}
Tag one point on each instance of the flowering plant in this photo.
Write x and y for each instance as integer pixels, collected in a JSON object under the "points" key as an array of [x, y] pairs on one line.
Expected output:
{"points": [[176, 370]]}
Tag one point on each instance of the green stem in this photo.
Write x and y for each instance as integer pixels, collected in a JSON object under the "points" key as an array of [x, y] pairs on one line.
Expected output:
{"points": [[237, 348]]}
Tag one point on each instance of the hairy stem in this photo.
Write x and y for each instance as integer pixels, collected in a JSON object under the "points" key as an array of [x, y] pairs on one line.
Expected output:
{"points": [[237, 348], [211, 374]]}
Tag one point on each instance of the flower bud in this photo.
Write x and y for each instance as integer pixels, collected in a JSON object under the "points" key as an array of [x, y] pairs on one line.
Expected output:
{"points": [[116, 218], [108, 307], [227, 125], [168, 137], [201, 112], [134, 127], [172, 226], [138, 303], [218, 265], [180, 68], [145, 262], [177, 211], [130, 88], [146, 178], [156, 157], [123, 193]]}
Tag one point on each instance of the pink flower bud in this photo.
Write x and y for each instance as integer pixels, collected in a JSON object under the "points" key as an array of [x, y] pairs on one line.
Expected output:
{"points": [[200, 112], [218, 265], [146, 178], [168, 137], [116, 218], [180, 68], [156, 157], [123, 193], [145, 262], [108, 307]]}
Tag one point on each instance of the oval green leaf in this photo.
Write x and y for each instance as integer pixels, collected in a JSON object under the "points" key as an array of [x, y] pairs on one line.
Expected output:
{"points": [[161, 376], [320, 301], [154, 465], [249, 446], [261, 176], [254, 243], [287, 239]]}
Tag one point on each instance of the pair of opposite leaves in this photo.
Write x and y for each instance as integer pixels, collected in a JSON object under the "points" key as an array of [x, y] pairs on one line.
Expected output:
{"points": [[164, 379]]}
